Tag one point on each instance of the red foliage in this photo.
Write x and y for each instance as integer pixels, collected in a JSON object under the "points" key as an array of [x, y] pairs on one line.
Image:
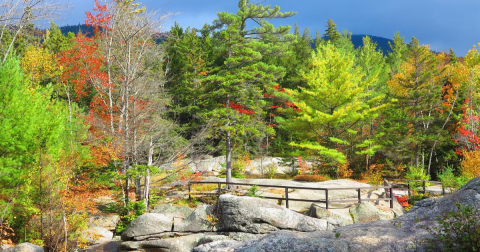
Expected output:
{"points": [[402, 200], [467, 135], [99, 21], [239, 108]]}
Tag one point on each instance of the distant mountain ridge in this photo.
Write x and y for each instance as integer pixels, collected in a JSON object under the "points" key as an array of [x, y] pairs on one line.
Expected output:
{"points": [[382, 43]]}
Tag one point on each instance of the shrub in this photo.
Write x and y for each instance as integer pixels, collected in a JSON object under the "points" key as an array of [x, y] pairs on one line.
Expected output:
{"points": [[457, 230], [253, 190], [416, 173], [271, 170], [374, 175], [310, 178], [449, 180], [344, 170], [471, 164]]}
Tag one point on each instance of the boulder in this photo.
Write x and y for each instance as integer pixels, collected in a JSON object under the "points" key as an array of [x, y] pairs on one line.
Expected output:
{"points": [[402, 234], [110, 246], [255, 215], [178, 244], [25, 247], [334, 219], [169, 208], [150, 224], [197, 221], [107, 221], [366, 212], [96, 235]]}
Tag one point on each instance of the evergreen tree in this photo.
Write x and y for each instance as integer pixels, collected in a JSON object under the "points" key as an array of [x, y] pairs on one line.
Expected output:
{"points": [[234, 90], [331, 34], [410, 126], [332, 106]]}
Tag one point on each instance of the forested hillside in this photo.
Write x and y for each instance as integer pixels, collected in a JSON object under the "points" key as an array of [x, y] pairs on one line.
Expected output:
{"points": [[81, 113]]}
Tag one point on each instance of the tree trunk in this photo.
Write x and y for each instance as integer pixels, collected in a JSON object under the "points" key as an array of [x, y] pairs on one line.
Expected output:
{"points": [[228, 155]]}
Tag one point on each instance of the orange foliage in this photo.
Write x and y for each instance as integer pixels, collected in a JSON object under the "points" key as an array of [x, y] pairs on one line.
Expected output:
{"points": [[303, 166], [344, 171], [374, 174], [102, 155], [471, 164]]}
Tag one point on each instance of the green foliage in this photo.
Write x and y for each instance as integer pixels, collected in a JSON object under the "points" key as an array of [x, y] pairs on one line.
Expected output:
{"points": [[253, 190], [271, 170], [416, 173], [456, 231], [127, 213], [335, 100], [449, 180]]}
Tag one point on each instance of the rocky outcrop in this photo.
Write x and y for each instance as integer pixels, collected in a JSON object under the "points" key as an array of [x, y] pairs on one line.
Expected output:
{"points": [[96, 235], [25, 247], [233, 218], [254, 215], [107, 221], [402, 234]]}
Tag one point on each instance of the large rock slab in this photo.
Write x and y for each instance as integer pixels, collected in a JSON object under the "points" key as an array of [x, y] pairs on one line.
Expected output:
{"points": [[366, 212], [150, 224], [341, 217], [107, 221], [197, 221], [186, 243], [169, 208], [255, 215], [96, 235], [25, 247], [402, 234]]}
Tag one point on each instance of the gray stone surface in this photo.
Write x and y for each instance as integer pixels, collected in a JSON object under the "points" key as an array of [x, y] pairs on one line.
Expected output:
{"points": [[169, 208], [255, 215], [366, 212], [178, 244], [96, 235], [25, 247], [197, 221], [150, 224], [334, 219], [401, 235], [108, 221]]}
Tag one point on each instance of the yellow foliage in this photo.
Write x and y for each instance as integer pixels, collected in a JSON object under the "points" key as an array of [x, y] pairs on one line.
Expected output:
{"points": [[470, 164], [374, 175], [344, 171], [39, 64]]}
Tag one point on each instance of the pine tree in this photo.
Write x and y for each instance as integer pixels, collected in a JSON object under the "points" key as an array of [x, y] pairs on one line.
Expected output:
{"points": [[417, 90], [332, 106], [234, 89], [331, 34]]}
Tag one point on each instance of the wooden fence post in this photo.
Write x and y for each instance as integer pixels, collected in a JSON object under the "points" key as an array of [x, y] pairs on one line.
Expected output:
{"points": [[359, 196], [424, 188], [391, 197], [286, 197], [326, 198], [219, 189], [189, 197]]}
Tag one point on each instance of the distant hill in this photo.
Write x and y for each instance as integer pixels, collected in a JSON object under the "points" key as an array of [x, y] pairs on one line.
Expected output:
{"points": [[382, 43], [356, 39], [76, 29]]}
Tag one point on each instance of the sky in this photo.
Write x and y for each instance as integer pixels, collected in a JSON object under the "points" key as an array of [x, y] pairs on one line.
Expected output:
{"points": [[441, 24]]}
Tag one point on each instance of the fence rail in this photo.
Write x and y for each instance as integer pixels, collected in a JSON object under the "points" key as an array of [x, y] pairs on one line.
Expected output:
{"points": [[388, 196], [424, 182]]}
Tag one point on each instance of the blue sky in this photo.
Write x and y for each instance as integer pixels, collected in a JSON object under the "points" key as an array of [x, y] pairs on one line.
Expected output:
{"points": [[439, 23]]}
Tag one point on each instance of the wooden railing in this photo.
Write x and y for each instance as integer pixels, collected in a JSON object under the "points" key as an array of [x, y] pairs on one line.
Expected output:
{"points": [[388, 196], [424, 182]]}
